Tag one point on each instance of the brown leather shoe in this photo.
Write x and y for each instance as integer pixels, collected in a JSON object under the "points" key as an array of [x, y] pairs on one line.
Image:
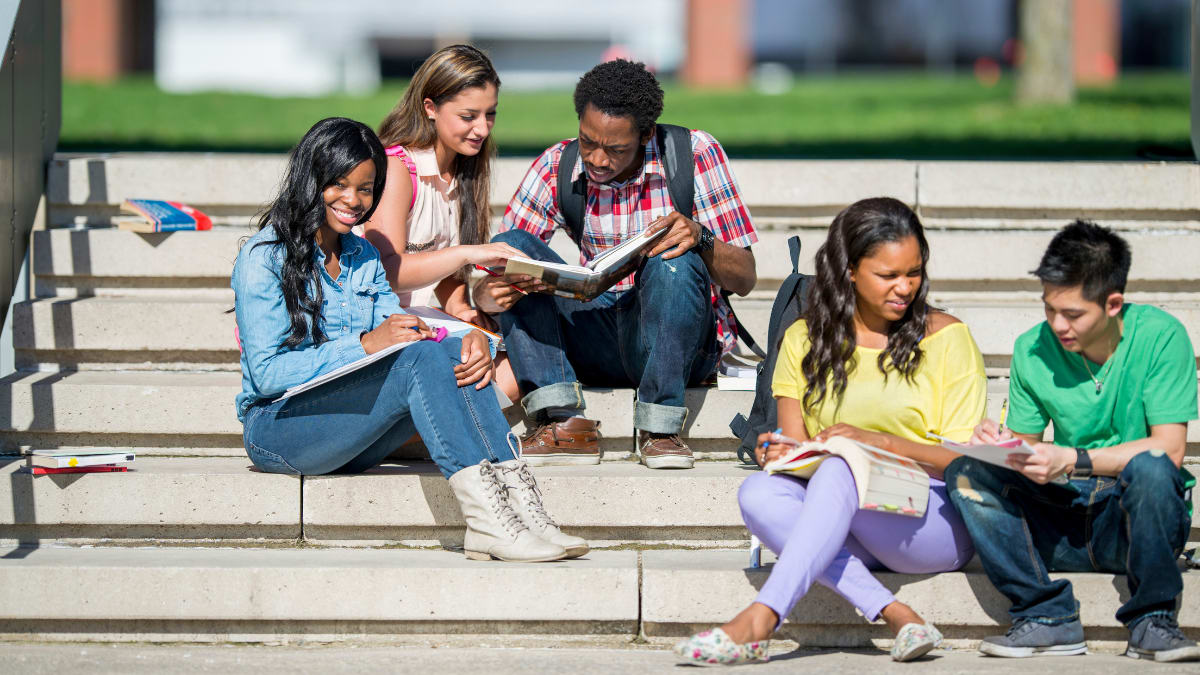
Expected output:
{"points": [[664, 451], [571, 441]]}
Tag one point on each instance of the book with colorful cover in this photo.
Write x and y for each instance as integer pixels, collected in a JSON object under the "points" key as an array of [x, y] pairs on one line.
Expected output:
{"points": [[886, 482], [58, 459], [103, 468], [156, 215]]}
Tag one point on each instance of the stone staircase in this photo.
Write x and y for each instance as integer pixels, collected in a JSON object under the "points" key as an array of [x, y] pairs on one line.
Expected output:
{"points": [[127, 343]]}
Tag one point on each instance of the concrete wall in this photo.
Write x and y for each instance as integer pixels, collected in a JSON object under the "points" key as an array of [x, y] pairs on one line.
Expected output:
{"points": [[30, 108]]}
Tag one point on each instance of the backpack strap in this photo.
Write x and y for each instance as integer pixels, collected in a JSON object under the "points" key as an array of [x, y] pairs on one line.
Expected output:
{"points": [[679, 163], [572, 195], [399, 151]]}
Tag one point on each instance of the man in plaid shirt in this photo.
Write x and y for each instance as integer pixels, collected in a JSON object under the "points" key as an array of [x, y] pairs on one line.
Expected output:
{"points": [[663, 328]]}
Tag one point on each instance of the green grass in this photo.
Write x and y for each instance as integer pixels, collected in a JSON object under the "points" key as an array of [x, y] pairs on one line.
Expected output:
{"points": [[853, 116]]}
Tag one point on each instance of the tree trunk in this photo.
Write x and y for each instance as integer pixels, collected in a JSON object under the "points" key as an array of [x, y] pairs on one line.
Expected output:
{"points": [[1046, 74]]}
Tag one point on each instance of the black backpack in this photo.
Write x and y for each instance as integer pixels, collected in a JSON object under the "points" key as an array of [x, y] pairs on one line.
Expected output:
{"points": [[789, 305]]}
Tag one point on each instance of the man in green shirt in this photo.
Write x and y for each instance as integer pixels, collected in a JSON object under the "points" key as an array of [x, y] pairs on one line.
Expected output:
{"points": [[1118, 381]]}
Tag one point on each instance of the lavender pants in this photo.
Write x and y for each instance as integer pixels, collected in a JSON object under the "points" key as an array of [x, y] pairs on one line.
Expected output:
{"points": [[819, 534]]}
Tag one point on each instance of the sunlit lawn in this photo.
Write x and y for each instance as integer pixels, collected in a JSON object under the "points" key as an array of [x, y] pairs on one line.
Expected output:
{"points": [[885, 116]]}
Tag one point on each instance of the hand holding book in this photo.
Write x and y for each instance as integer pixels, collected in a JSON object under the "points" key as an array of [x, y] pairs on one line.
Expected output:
{"points": [[885, 482], [682, 235]]}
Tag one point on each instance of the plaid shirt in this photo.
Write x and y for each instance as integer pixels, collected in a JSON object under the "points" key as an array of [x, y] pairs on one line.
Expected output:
{"points": [[617, 212]]}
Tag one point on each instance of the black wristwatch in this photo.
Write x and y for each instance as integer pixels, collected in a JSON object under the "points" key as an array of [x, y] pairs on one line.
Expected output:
{"points": [[707, 240], [1083, 464]]}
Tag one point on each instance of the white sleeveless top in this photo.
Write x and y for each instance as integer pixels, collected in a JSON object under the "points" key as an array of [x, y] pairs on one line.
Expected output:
{"points": [[432, 220]]}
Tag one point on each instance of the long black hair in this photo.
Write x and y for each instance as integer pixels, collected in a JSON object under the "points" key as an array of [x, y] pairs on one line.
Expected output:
{"points": [[856, 233], [331, 149]]}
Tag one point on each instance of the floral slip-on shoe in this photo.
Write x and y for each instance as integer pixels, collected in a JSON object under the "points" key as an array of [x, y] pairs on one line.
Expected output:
{"points": [[714, 648], [914, 641]]}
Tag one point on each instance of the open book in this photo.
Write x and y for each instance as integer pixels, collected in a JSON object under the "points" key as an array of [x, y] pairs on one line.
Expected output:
{"points": [[992, 454], [885, 482], [585, 283], [435, 317], [346, 369], [439, 327]]}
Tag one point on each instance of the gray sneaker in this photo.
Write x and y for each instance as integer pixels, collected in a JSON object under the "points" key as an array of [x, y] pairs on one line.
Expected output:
{"points": [[1158, 637], [1030, 638]]}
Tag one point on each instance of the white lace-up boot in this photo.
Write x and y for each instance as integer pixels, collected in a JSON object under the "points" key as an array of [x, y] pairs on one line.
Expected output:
{"points": [[494, 530], [526, 499]]}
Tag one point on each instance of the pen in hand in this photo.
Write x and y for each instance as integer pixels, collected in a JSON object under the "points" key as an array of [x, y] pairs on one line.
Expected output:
{"points": [[501, 276], [1003, 416]]}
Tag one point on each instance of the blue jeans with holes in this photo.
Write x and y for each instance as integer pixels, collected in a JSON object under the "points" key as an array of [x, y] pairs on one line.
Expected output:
{"points": [[660, 337], [1134, 524], [352, 423]]}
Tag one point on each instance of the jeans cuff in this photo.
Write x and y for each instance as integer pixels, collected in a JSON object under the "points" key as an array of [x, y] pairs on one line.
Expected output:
{"points": [[659, 419], [559, 394]]}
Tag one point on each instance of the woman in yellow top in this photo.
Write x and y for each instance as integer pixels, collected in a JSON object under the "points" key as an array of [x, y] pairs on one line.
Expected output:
{"points": [[873, 362]]}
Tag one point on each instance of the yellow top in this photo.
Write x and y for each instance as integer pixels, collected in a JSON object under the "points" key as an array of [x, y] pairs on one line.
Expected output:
{"points": [[947, 394]]}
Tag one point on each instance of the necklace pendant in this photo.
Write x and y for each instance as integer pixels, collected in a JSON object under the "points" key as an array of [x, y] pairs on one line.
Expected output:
{"points": [[1098, 386]]}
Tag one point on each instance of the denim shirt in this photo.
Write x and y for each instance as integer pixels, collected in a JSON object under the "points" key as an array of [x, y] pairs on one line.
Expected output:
{"points": [[356, 302]]}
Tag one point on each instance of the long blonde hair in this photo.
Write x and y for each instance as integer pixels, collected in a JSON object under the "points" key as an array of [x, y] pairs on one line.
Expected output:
{"points": [[443, 75]]}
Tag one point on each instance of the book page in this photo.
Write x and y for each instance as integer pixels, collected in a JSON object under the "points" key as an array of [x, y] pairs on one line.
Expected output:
{"points": [[620, 254], [992, 454], [534, 268], [885, 482], [348, 368], [435, 317]]}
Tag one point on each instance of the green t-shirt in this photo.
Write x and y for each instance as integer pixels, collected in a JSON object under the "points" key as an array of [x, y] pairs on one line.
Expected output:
{"points": [[1150, 379]]}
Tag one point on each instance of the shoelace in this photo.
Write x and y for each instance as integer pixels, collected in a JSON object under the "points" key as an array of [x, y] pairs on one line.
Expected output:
{"points": [[498, 497], [1167, 628], [1020, 628], [532, 497]]}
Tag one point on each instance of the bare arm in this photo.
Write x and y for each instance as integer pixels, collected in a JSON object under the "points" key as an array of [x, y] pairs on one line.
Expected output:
{"points": [[1052, 460], [935, 457], [731, 267], [387, 230]]}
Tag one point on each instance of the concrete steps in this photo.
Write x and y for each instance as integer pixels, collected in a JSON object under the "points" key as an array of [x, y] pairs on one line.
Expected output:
{"points": [[255, 594], [191, 413], [104, 260], [126, 343], [189, 331], [686, 591], [404, 503]]}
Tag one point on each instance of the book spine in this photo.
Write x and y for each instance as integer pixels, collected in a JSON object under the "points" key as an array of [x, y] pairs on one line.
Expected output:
{"points": [[70, 461]]}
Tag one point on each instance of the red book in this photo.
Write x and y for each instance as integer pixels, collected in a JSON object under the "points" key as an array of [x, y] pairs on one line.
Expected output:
{"points": [[104, 468]]}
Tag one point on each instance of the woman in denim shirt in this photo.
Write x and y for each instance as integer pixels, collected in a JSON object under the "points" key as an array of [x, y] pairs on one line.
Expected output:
{"points": [[311, 297]]}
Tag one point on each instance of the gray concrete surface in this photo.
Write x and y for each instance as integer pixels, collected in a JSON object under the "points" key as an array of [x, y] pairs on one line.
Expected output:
{"points": [[141, 586], [438, 656]]}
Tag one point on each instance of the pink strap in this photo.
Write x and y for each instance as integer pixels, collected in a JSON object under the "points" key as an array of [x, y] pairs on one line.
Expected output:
{"points": [[399, 151]]}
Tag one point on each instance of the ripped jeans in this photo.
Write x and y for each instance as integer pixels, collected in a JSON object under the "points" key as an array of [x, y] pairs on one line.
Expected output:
{"points": [[660, 336], [352, 423], [1133, 524]]}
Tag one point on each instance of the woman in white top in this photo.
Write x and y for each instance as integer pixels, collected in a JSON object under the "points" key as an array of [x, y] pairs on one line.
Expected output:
{"points": [[431, 224]]}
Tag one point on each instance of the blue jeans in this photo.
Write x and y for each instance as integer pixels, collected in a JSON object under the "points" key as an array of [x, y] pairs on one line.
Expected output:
{"points": [[1134, 524], [352, 423], [660, 336]]}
